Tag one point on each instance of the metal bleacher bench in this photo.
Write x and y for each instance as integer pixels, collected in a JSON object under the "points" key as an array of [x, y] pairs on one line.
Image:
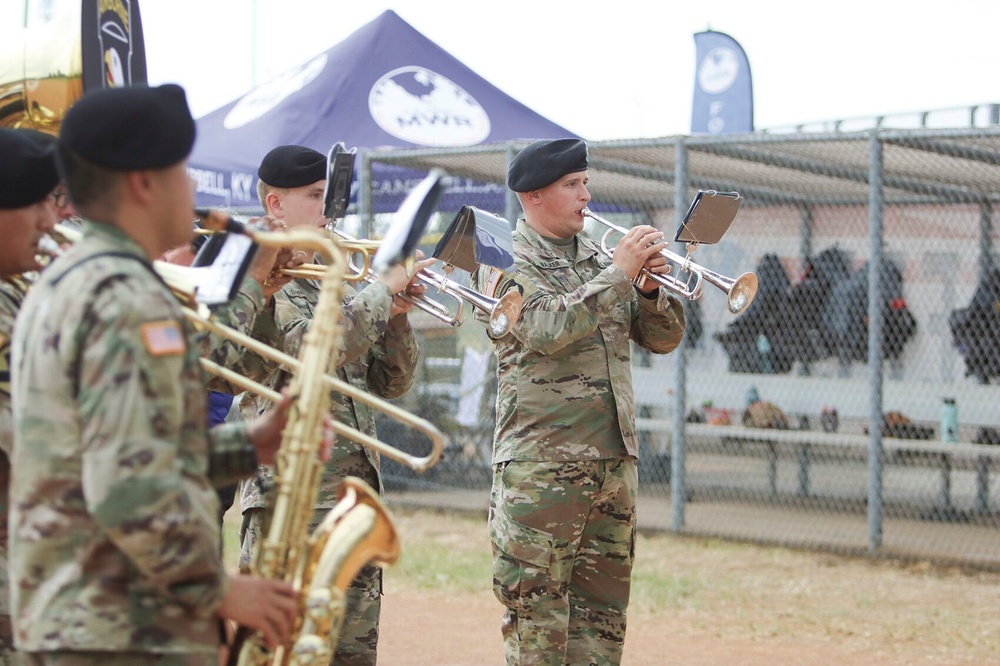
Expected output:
{"points": [[802, 445]]}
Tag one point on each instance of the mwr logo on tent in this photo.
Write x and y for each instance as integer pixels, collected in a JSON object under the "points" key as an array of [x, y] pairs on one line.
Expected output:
{"points": [[414, 104], [384, 86], [423, 107]]}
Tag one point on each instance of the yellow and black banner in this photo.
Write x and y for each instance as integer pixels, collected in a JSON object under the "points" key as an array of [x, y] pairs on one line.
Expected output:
{"points": [[114, 53]]}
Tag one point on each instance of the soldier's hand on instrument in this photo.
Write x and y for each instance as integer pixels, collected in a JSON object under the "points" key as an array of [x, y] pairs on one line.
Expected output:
{"points": [[265, 431], [413, 288], [635, 248], [329, 438], [658, 264], [263, 267], [269, 606]]}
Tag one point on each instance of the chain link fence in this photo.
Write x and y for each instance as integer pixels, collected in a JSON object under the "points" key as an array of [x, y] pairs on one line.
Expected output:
{"points": [[852, 408]]}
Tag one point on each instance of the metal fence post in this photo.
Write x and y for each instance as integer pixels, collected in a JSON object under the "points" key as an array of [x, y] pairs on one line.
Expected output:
{"points": [[875, 202], [364, 198], [678, 444]]}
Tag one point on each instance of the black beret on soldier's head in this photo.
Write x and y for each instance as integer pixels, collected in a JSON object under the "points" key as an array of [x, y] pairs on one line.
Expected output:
{"points": [[544, 162], [28, 170], [43, 139], [292, 166], [131, 128]]}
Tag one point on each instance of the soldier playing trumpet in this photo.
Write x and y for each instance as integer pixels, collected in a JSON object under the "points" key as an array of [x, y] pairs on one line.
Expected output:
{"points": [[562, 510]]}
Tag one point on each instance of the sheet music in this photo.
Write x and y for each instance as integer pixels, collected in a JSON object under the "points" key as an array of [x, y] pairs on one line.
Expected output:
{"points": [[218, 282]]}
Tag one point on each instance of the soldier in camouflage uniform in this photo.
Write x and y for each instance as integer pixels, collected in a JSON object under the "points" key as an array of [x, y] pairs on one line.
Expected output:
{"points": [[27, 177], [255, 295], [379, 355], [114, 543], [562, 509]]}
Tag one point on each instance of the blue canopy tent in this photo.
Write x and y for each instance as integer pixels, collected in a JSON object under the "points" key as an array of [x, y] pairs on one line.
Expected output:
{"points": [[384, 86]]}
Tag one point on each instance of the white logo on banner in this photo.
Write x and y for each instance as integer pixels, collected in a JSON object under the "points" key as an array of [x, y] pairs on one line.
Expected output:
{"points": [[268, 95], [422, 107], [718, 71]]}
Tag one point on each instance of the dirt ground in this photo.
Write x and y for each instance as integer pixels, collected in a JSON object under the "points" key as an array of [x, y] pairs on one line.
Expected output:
{"points": [[700, 602]]}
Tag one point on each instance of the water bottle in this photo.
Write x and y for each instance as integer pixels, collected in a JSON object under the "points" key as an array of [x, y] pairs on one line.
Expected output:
{"points": [[949, 421]]}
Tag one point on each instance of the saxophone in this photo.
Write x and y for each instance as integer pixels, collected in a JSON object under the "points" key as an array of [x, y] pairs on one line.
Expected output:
{"points": [[357, 530]]}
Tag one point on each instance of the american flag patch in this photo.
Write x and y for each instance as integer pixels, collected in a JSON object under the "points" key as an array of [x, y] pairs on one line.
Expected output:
{"points": [[163, 338]]}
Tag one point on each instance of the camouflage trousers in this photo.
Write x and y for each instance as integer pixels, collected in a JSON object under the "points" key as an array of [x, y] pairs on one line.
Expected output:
{"points": [[563, 538], [7, 655], [358, 642]]}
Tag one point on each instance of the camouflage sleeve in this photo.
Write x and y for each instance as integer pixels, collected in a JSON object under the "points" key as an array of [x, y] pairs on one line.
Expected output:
{"points": [[6, 420], [250, 315], [232, 457], [10, 303], [138, 486], [366, 317], [393, 360], [551, 321], [658, 324]]}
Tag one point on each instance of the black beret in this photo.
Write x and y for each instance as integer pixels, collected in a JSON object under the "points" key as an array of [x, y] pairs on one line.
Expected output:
{"points": [[292, 166], [130, 128], [28, 170], [43, 139], [544, 162]]}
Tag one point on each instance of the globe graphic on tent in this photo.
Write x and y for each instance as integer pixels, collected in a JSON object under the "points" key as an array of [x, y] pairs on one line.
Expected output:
{"points": [[419, 105]]}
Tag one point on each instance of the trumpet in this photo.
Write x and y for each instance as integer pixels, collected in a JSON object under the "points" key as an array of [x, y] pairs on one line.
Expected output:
{"points": [[502, 313], [739, 292], [214, 222]]}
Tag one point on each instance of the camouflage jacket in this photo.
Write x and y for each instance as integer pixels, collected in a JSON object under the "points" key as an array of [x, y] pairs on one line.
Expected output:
{"points": [[248, 314], [12, 292], [378, 355], [564, 375], [115, 541]]}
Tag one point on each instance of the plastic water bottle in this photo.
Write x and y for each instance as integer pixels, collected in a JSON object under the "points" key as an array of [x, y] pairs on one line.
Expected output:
{"points": [[949, 421]]}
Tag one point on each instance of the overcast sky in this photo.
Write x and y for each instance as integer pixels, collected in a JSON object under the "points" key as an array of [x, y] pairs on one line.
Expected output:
{"points": [[618, 69]]}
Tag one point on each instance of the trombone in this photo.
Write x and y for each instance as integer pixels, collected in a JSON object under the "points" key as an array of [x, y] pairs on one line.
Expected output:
{"points": [[740, 292], [178, 279]]}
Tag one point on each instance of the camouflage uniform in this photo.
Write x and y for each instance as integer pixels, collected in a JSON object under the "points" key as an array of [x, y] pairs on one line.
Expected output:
{"points": [[244, 315], [114, 543], [379, 355], [12, 292], [249, 314], [562, 507]]}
